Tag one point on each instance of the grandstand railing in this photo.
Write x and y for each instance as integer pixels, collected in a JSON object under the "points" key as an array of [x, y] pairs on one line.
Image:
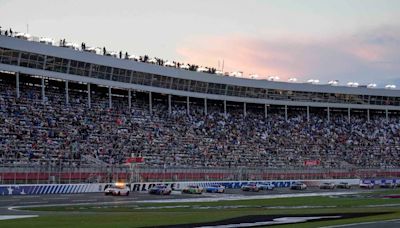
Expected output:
{"points": [[30, 174]]}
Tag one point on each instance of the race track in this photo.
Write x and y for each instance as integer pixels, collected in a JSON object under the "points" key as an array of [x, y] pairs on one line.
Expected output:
{"points": [[9, 204]]}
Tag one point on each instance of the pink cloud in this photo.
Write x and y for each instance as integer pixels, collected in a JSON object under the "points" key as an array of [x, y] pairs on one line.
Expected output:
{"points": [[238, 53], [365, 56]]}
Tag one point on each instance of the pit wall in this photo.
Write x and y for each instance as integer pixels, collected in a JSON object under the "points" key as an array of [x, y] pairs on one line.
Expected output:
{"points": [[42, 189]]}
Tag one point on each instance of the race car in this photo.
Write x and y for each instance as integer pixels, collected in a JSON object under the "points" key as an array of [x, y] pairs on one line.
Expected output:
{"points": [[344, 185], [298, 186], [368, 185], [192, 189], [327, 185], [267, 186], [160, 189], [117, 189], [215, 188], [252, 187], [387, 185]]}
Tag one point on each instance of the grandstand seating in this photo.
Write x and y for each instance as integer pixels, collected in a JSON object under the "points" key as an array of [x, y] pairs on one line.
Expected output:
{"points": [[59, 134]]}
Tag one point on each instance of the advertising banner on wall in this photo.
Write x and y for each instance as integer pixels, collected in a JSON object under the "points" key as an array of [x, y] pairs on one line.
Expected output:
{"points": [[40, 189]]}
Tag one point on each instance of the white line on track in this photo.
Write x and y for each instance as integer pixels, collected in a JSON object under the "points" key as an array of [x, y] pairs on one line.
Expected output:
{"points": [[361, 223], [84, 200], [276, 221], [223, 197], [14, 200], [27, 196], [246, 197], [58, 198], [16, 208], [7, 217]]}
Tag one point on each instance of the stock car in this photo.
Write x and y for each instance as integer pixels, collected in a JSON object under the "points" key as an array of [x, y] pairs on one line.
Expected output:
{"points": [[215, 188], [267, 186], [117, 189], [192, 189], [252, 187], [327, 185], [160, 189], [344, 185], [368, 185], [298, 186]]}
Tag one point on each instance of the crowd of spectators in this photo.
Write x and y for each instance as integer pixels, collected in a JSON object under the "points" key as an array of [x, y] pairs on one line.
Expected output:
{"points": [[33, 132]]}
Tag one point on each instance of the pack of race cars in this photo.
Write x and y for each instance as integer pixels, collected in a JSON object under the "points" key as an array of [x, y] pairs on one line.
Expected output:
{"points": [[120, 189]]}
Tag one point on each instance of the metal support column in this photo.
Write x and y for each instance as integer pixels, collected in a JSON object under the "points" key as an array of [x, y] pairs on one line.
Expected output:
{"points": [[244, 109], [187, 106], [130, 99], [265, 111], [66, 93], [89, 95], [150, 103], [348, 114], [387, 115], [285, 112], [308, 113], [225, 108], [43, 94], [368, 119], [169, 104], [17, 83], [205, 106], [109, 97], [329, 114]]}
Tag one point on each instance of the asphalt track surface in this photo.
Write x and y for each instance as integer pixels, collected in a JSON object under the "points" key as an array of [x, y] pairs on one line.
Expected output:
{"points": [[9, 204], [95, 198]]}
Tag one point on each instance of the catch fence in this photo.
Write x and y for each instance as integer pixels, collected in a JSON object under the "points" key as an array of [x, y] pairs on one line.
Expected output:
{"points": [[31, 174]]}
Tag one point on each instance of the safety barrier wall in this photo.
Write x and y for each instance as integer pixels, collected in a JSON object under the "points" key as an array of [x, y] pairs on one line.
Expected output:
{"points": [[41, 189], [142, 187]]}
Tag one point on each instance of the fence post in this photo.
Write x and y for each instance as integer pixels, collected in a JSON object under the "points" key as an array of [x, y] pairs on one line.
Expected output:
{"points": [[80, 174], [26, 178]]}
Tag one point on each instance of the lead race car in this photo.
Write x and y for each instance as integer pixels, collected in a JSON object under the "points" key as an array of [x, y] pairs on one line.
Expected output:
{"points": [[160, 189], [117, 189]]}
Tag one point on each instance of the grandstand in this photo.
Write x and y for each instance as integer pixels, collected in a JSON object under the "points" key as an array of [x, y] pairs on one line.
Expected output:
{"points": [[70, 114]]}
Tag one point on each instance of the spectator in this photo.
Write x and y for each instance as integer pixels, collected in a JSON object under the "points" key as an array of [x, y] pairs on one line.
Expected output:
{"points": [[33, 133]]}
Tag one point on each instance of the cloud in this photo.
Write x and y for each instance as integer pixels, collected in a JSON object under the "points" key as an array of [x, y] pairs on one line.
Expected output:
{"points": [[369, 56]]}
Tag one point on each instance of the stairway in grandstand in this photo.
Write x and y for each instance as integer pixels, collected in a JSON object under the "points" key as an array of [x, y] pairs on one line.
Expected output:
{"points": [[94, 161], [346, 165]]}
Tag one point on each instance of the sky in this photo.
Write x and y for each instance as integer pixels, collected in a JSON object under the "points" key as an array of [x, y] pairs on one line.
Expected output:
{"points": [[345, 40]]}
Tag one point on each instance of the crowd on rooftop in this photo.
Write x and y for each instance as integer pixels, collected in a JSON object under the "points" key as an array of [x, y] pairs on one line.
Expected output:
{"points": [[56, 133], [120, 54]]}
